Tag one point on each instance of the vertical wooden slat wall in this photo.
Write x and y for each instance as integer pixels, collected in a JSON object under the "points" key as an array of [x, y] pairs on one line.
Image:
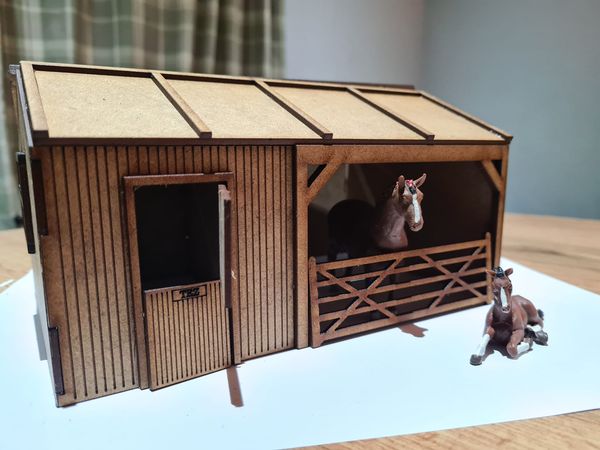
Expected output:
{"points": [[86, 265]]}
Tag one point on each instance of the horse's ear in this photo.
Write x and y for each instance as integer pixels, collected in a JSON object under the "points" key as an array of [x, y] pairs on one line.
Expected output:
{"points": [[419, 181], [490, 272], [401, 183], [508, 272]]}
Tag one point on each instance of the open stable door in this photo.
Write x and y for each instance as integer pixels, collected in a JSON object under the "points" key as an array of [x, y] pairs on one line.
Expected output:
{"points": [[182, 231]]}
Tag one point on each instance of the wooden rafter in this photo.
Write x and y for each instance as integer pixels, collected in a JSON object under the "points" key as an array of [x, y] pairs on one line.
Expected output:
{"points": [[182, 107], [307, 120], [428, 135], [503, 134]]}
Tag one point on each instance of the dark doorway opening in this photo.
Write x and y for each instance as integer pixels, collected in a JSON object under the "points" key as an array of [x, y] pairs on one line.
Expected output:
{"points": [[178, 234]]}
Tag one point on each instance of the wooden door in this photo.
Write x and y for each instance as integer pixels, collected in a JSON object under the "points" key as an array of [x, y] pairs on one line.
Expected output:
{"points": [[189, 327], [185, 278], [188, 332]]}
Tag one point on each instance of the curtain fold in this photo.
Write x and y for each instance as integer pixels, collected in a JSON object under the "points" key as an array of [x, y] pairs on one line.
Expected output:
{"points": [[234, 37]]}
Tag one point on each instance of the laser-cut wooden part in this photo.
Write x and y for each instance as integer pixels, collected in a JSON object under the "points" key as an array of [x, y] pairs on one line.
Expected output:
{"points": [[39, 123], [79, 105], [394, 115], [445, 123], [181, 105], [394, 288], [235, 390], [295, 111], [25, 201], [230, 109], [345, 115], [507, 137], [240, 110], [188, 332], [493, 174]]}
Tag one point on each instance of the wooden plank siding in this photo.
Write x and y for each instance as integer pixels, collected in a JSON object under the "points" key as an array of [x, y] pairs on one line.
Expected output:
{"points": [[85, 258], [179, 321]]}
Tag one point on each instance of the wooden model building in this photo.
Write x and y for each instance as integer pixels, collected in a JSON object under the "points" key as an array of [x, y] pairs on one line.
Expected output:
{"points": [[178, 222]]}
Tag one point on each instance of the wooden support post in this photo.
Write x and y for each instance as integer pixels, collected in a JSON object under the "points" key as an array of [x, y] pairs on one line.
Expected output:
{"points": [[488, 265], [314, 305], [301, 251], [501, 204]]}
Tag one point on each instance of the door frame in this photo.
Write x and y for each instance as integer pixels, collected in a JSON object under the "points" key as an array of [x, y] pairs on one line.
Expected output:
{"points": [[130, 185]]}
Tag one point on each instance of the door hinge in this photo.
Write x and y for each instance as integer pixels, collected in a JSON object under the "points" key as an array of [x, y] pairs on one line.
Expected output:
{"points": [[25, 201]]}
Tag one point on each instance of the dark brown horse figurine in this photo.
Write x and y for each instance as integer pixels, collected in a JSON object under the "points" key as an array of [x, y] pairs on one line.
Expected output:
{"points": [[356, 227], [507, 322]]}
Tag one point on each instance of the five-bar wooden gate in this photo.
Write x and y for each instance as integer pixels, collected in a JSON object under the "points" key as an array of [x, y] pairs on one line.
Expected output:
{"points": [[357, 295]]}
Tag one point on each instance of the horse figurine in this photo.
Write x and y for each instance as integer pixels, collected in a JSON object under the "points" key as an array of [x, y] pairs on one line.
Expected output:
{"points": [[507, 322], [356, 227]]}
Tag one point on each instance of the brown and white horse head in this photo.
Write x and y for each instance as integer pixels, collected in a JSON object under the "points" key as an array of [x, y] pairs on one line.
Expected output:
{"points": [[409, 197], [501, 287]]}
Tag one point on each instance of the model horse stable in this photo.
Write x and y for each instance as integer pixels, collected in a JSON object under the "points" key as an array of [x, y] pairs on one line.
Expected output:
{"points": [[179, 222]]}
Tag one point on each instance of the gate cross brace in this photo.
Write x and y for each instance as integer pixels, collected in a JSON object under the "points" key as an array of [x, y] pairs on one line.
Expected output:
{"points": [[362, 295], [455, 277]]}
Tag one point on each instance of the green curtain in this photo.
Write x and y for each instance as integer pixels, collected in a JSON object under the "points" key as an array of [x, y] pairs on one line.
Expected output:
{"points": [[235, 37]]}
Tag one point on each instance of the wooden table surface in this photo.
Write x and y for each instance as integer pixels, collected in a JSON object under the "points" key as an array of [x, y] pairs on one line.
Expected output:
{"points": [[568, 249]]}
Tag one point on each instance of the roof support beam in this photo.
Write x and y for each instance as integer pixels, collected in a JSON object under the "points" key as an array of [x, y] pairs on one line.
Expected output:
{"points": [[488, 165], [182, 107], [323, 177], [429, 136], [311, 123]]}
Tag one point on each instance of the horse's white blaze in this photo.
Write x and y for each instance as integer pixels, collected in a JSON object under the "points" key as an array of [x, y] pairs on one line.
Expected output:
{"points": [[536, 328], [503, 298], [417, 209]]}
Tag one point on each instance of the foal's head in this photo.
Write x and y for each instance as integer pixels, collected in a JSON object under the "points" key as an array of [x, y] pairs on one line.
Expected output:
{"points": [[408, 197], [501, 287]]}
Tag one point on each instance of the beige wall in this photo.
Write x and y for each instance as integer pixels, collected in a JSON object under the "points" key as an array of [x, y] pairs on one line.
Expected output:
{"points": [[532, 68], [354, 40]]}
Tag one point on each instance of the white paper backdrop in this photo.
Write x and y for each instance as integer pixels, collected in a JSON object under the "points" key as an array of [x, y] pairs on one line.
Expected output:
{"points": [[386, 383]]}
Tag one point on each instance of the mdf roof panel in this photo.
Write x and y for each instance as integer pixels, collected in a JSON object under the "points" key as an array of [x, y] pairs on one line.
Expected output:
{"points": [[443, 123], [237, 110], [80, 105], [347, 116]]}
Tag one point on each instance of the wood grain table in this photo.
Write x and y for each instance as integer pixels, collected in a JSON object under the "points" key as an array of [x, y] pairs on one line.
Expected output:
{"points": [[565, 248]]}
